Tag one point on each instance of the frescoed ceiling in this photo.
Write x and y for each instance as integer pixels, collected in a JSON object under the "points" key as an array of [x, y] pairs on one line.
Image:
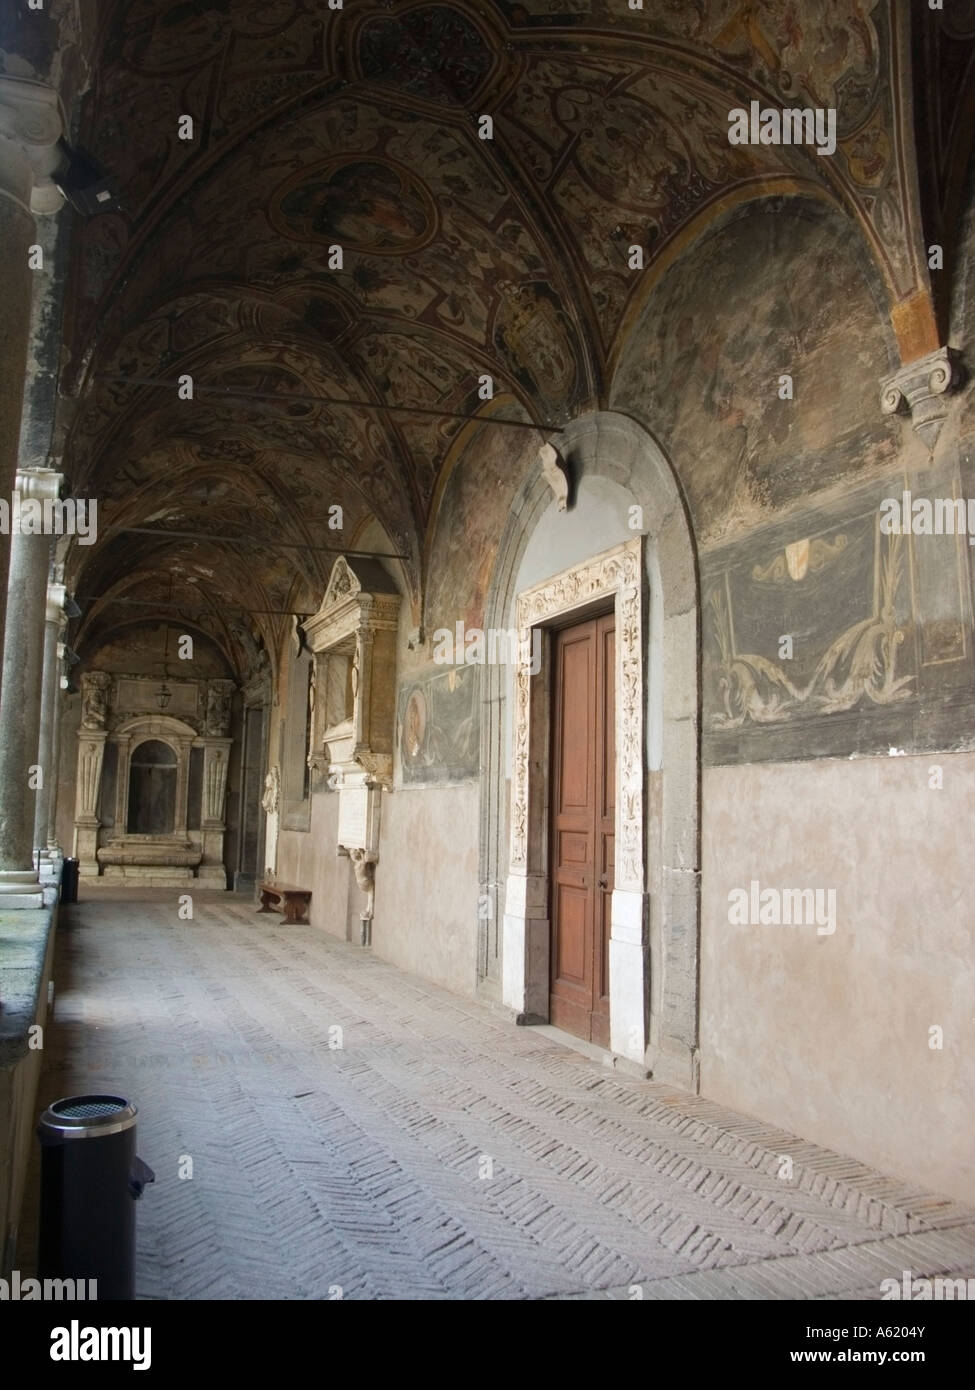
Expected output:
{"points": [[461, 256]]}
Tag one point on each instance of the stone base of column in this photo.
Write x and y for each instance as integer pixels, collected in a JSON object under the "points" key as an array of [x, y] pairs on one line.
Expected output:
{"points": [[49, 868], [19, 888]]}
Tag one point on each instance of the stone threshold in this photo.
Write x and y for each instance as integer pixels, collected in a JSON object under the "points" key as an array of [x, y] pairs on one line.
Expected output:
{"points": [[611, 1060]]}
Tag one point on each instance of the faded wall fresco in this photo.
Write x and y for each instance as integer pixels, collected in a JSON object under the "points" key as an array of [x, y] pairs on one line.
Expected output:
{"points": [[143, 650], [824, 636], [785, 496], [778, 290], [471, 517], [438, 723], [437, 726]]}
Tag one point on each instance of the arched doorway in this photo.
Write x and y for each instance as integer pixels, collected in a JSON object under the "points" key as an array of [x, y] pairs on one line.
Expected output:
{"points": [[624, 547]]}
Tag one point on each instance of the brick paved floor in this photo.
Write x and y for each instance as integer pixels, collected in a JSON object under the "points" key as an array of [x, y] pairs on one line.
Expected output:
{"points": [[440, 1152]]}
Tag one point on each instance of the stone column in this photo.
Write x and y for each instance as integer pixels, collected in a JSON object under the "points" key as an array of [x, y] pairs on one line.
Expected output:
{"points": [[50, 689], [20, 693], [30, 126], [54, 849]]}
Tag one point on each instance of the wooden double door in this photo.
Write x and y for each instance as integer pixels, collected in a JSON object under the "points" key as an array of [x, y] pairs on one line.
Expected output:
{"points": [[583, 819]]}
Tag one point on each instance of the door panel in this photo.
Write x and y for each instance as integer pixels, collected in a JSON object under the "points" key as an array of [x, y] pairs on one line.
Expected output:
{"points": [[573, 906], [583, 799], [606, 821]]}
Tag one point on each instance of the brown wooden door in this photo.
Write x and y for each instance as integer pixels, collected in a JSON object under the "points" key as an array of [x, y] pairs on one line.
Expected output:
{"points": [[583, 821]]}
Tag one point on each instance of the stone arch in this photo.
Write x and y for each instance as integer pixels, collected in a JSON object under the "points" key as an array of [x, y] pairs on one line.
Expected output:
{"points": [[615, 466], [153, 738]]}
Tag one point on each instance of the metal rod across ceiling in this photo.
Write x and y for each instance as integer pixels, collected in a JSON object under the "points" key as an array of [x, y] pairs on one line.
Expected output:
{"points": [[284, 399], [247, 541]]}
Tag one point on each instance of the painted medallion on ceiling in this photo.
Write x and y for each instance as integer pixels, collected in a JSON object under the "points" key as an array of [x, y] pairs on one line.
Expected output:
{"points": [[369, 205]]}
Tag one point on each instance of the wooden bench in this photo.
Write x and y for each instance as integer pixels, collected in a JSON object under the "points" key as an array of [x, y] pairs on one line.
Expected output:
{"points": [[292, 901]]}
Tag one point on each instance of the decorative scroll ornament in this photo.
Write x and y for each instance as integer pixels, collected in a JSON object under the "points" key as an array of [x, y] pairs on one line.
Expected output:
{"points": [[921, 389], [30, 127], [860, 664]]}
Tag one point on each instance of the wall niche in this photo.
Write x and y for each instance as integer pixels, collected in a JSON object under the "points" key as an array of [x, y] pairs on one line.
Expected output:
{"points": [[152, 784], [352, 638]]}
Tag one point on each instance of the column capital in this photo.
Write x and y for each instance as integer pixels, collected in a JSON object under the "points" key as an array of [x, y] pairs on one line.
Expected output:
{"points": [[921, 389], [31, 125], [39, 484]]}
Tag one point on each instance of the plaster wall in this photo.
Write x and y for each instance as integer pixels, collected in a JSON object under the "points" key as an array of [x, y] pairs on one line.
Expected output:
{"points": [[309, 859], [828, 1035], [426, 883]]}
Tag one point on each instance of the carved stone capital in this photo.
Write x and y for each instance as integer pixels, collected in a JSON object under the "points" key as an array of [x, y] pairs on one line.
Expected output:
{"points": [[30, 127], [920, 389], [39, 484]]}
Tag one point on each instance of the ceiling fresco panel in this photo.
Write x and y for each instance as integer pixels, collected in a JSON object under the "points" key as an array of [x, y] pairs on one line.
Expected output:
{"points": [[464, 257]]}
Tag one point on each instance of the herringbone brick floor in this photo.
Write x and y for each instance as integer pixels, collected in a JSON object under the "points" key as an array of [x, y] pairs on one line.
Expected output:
{"points": [[357, 1132]]}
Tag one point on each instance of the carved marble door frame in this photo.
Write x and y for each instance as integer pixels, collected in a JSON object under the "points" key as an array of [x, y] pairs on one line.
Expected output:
{"points": [[615, 575]]}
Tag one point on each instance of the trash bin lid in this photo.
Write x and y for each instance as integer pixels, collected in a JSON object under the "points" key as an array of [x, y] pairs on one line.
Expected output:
{"points": [[87, 1117]]}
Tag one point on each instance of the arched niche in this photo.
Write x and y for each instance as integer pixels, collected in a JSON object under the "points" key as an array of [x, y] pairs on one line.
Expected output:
{"points": [[189, 846], [152, 789], [154, 731]]}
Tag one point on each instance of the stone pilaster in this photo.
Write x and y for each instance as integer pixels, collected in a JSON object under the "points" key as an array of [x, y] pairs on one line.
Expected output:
{"points": [[216, 760], [215, 763], [91, 755], [20, 695], [30, 126]]}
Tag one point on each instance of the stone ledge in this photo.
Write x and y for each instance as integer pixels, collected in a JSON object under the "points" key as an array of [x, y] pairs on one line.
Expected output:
{"points": [[25, 936], [150, 855], [26, 961]]}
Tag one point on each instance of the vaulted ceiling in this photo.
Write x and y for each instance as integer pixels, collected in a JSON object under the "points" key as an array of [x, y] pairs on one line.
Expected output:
{"points": [[318, 386]]}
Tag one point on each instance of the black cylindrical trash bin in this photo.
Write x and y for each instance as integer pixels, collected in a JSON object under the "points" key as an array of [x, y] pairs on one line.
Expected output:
{"points": [[90, 1178], [69, 881]]}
